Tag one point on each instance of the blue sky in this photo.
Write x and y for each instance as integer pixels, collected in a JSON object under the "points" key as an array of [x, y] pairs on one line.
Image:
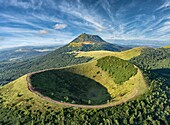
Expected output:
{"points": [[47, 22]]}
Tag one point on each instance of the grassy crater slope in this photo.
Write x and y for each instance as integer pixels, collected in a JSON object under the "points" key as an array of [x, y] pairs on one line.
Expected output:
{"points": [[89, 84], [126, 55]]}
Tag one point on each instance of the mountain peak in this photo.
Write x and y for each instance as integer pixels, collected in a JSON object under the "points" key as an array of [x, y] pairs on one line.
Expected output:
{"points": [[88, 42], [88, 38]]}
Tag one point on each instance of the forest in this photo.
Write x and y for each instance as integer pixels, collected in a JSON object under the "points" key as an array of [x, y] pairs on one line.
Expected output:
{"points": [[119, 69], [58, 58]]}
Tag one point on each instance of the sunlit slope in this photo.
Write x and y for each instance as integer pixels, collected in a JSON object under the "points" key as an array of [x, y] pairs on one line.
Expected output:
{"points": [[166, 47], [16, 95], [126, 55]]}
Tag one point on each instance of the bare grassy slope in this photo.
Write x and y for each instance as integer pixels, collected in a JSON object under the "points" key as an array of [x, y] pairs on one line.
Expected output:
{"points": [[126, 55], [17, 95]]}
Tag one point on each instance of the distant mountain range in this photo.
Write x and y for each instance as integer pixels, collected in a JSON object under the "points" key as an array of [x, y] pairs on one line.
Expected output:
{"points": [[25, 52]]}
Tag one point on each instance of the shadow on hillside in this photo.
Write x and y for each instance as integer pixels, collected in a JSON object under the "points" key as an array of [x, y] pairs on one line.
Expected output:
{"points": [[62, 85], [162, 73]]}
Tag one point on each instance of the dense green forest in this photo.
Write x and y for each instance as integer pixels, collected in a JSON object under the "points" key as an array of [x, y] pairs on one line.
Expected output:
{"points": [[119, 69], [62, 85], [153, 59], [10, 71]]}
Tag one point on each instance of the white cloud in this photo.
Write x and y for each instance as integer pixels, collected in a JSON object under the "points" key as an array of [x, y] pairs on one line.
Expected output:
{"points": [[43, 32], [2, 38], [23, 4], [164, 29], [16, 30], [165, 5], [59, 26]]}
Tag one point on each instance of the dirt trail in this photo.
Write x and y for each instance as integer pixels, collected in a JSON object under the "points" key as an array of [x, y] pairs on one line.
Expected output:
{"points": [[31, 88]]}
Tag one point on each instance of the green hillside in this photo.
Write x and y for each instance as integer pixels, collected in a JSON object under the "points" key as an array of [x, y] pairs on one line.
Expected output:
{"points": [[80, 84], [20, 106], [61, 57], [153, 59], [117, 68], [126, 55]]}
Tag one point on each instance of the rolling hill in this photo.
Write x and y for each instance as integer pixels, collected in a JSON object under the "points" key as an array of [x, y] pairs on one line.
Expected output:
{"points": [[19, 105], [61, 57], [126, 55], [23, 53]]}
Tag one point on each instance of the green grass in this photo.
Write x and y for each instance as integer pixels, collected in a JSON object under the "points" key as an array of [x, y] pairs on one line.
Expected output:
{"points": [[120, 70], [126, 55], [17, 95], [83, 72]]}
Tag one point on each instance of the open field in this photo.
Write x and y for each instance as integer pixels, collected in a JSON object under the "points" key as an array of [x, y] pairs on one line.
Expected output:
{"points": [[126, 55]]}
